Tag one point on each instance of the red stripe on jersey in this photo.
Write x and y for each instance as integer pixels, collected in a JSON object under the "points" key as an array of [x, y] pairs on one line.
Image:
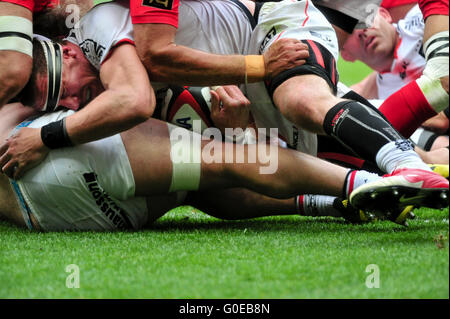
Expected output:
{"points": [[317, 53], [306, 13], [334, 74], [278, 36], [396, 48]]}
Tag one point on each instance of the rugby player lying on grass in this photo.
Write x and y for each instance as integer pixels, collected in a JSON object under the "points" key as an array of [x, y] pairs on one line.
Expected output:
{"points": [[86, 80], [96, 57], [297, 116], [125, 181], [111, 183]]}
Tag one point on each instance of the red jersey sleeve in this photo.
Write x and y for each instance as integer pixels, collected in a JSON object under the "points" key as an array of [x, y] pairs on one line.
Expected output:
{"points": [[155, 11], [29, 4], [394, 3], [34, 5], [433, 7]]}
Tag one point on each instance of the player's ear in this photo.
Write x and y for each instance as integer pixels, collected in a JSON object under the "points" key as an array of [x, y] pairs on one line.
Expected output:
{"points": [[69, 51], [385, 14]]}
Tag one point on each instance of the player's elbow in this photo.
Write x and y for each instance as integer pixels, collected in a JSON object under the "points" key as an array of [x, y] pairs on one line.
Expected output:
{"points": [[141, 105], [155, 60]]}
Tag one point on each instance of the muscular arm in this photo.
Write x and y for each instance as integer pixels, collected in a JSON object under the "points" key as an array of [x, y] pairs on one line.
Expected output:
{"points": [[128, 99], [168, 62], [15, 67]]}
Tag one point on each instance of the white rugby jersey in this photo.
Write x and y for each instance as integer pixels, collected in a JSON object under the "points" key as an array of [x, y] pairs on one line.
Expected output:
{"points": [[409, 61], [215, 26]]}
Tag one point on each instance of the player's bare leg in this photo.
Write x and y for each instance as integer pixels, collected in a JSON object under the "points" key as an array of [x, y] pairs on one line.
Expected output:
{"points": [[240, 203], [148, 147], [308, 101], [305, 100]]}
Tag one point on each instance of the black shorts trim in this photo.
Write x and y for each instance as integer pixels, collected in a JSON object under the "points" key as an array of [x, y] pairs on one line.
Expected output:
{"points": [[320, 62]]}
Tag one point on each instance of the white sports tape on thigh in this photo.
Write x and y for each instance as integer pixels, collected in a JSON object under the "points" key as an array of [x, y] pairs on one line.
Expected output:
{"points": [[437, 53], [16, 34], [185, 153]]}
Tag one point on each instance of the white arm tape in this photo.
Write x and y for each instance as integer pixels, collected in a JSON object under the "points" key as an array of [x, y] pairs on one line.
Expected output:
{"points": [[437, 54], [16, 34]]}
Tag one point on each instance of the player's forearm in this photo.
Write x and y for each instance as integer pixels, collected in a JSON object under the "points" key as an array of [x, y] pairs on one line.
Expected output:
{"points": [[109, 114], [185, 66]]}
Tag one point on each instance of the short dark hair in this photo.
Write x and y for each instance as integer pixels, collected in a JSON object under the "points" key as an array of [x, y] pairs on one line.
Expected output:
{"points": [[30, 92], [50, 23]]}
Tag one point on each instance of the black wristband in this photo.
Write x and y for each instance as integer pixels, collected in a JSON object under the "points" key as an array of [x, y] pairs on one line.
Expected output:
{"points": [[54, 135]]}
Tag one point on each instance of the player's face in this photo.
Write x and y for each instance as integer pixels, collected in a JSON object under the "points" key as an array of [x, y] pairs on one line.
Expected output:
{"points": [[374, 46], [80, 83]]}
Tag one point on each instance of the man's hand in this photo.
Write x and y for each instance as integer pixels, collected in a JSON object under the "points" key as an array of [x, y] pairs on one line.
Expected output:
{"points": [[21, 152], [229, 108], [284, 54]]}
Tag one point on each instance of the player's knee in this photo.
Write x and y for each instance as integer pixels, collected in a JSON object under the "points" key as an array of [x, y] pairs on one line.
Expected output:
{"points": [[140, 105]]}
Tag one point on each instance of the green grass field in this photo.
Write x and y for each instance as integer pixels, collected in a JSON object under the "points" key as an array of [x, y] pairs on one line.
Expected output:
{"points": [[188, 254]]}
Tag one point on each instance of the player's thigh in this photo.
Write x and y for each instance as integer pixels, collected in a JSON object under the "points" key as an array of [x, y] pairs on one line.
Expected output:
{"points": [[148, 149]]}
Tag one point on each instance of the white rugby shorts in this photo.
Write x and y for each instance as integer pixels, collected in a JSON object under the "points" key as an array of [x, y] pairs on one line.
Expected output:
{"points": [[287, 19], [85, 187]]}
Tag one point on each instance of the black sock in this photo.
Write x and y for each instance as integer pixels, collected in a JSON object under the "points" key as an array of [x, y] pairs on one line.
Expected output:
{"points": [[362, 129]]}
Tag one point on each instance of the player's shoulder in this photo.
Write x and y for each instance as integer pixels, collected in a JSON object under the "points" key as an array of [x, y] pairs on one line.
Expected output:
{"points": [[107, 12], [413, 23], [100, 29]]}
